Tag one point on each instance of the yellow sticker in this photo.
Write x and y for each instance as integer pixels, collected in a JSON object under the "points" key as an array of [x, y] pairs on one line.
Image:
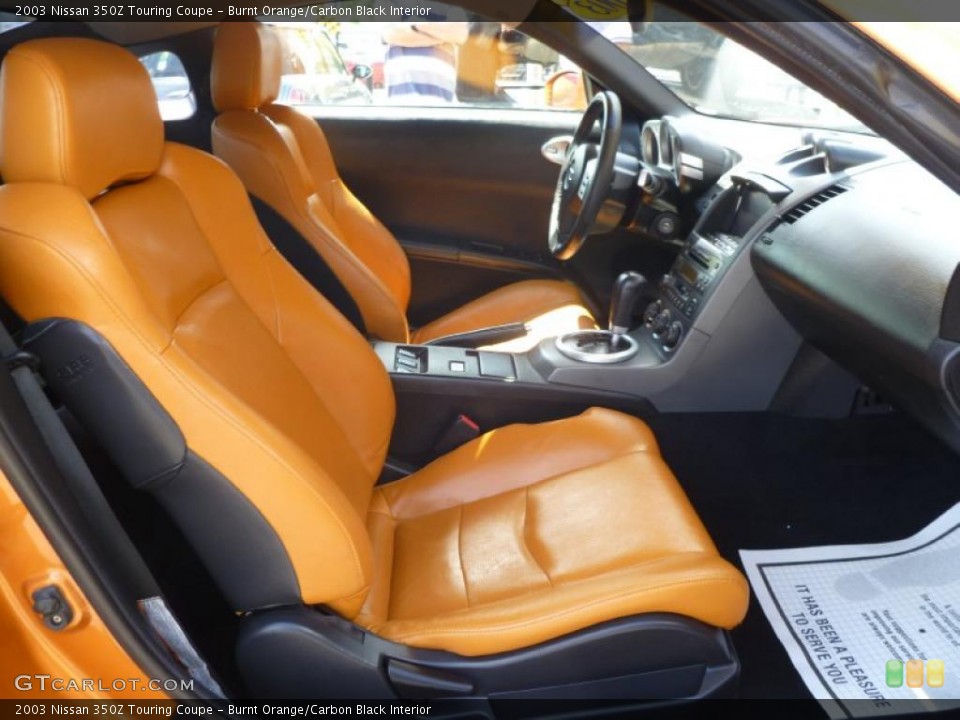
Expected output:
{"points": [[595, 9]]}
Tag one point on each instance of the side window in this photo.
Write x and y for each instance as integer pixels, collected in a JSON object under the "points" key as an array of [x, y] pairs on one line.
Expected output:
{"points": [[465, 62], [10, 21], [174, 94]]}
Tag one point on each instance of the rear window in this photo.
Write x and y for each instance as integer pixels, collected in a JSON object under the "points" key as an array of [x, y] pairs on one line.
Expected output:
{"points": [[9, 21], [174, 93]]}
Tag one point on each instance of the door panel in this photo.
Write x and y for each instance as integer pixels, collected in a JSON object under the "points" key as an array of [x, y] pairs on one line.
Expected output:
{"points": [[445, 277], [466, 191]]}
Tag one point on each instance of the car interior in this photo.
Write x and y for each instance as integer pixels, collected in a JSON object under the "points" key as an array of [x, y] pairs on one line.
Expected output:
{"points": [[420, 403]]}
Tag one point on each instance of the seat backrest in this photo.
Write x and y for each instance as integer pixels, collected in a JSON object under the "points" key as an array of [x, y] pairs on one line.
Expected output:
{"points": [[283, 158], [275, 411]]}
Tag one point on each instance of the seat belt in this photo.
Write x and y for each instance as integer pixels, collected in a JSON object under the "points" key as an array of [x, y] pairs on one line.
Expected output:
{"points": [[23, 367]]}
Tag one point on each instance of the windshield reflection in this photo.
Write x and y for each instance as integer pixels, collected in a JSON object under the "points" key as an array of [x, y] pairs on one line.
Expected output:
{"points": [[717, 76]]}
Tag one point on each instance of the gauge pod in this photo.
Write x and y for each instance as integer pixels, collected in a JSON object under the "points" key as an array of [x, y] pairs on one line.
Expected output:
{"points": [[666, 142], [650, 143]]}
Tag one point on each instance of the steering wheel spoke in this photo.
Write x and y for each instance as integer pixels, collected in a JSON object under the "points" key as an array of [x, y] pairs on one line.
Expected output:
{"points": [[586, 182], [587, 177]]}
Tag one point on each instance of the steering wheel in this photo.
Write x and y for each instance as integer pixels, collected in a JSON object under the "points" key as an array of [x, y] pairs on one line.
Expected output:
{"points": [[586, 177]]}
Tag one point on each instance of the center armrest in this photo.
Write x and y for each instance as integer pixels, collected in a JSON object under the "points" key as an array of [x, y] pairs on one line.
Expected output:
{"points": [[443, 361]]}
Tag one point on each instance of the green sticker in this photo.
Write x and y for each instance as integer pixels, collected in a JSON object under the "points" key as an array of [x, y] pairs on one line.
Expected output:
{"points": [[894, 673]]}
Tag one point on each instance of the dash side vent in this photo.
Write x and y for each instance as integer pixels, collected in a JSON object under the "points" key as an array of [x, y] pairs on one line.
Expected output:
{"points": [[812, 203]]}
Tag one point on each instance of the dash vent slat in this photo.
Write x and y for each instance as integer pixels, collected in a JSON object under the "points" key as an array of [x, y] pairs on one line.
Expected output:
{"points": [[812, 203]]}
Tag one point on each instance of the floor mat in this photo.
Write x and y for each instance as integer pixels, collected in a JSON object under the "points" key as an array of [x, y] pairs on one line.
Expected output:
{"points": [[871, 629], [761, 480]]}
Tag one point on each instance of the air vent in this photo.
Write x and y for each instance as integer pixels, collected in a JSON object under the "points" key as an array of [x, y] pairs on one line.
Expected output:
{"points": [[812, 203]]}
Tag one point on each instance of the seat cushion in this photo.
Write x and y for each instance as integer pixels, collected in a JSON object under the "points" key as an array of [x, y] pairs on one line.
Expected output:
{"points": [[550, 307], [532, 532]]}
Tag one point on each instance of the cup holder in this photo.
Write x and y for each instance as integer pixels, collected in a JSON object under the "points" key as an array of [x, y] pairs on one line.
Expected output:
{"points": [[597, 346]]}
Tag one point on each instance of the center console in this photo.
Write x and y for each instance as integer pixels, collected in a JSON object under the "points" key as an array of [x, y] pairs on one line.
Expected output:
{"points": [[704, 337], [436, 385], [710, 251]]}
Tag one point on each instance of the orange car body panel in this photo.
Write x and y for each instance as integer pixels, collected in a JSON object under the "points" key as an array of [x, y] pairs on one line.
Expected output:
{"points": [[84, 649]]}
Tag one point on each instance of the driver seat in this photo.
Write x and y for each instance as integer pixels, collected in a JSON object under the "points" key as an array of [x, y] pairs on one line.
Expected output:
{"points": [[283, 159]]}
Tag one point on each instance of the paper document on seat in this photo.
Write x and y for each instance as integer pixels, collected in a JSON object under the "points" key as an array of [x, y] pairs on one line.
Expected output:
{"points": [[844, 612]]}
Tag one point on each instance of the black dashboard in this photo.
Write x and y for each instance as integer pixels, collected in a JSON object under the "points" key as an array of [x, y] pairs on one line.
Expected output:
{"points": [[864, 266], [851, 242]]}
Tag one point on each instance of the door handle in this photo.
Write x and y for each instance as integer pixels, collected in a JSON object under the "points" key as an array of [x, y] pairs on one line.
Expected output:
{"points": [[555, 149]]}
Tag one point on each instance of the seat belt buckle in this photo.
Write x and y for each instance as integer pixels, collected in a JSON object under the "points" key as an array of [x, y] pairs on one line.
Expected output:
{"points": [[22, 358], [461, 431]]}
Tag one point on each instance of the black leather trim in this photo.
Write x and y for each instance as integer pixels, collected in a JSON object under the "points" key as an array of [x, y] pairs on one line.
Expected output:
{"points": [[236, 543], [241, 550], [307, 261], [300, 653], [103, 393]]}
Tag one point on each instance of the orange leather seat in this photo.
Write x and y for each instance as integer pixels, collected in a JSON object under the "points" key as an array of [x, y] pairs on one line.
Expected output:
{"points": [[283, 158], [276, 414], [532, 532]]}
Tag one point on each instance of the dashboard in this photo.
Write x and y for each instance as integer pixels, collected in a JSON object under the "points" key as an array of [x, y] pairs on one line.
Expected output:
{"points": [[850, 241], [866, 270]]}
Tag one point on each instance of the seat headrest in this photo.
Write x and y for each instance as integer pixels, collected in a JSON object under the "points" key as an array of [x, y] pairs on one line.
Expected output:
{"points": [[247, 59], [77, 112]]}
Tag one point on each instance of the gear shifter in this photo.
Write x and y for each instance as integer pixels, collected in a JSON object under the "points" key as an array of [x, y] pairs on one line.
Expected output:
{"points": [[613, 345], [626, 292]]}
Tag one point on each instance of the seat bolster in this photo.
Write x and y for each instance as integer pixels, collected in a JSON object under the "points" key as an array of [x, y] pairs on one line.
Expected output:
{"points": [[698, 585], [366, 236], [555, 305], [515, 456], [360, 230]]}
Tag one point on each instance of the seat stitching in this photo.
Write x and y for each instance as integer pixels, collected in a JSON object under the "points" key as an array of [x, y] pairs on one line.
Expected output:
{"points": [[523, 537], [716, 578], [643, 451], [189, 305], [273, 287], [463, 570]]}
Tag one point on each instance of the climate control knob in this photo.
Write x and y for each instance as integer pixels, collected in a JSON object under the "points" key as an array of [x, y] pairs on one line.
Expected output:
{"points": [[671, 338], [651, 312], [661, 323]]}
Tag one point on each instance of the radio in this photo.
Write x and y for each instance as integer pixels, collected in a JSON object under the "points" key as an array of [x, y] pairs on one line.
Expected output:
{"points": [[695, 269], [681, 291]]}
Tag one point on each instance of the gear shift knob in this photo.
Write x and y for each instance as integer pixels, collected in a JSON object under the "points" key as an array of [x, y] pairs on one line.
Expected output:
{"points": [[626, 292]]}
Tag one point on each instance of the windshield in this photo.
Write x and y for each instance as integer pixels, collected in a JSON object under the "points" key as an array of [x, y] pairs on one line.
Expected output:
{"points": [[716, 76]]}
